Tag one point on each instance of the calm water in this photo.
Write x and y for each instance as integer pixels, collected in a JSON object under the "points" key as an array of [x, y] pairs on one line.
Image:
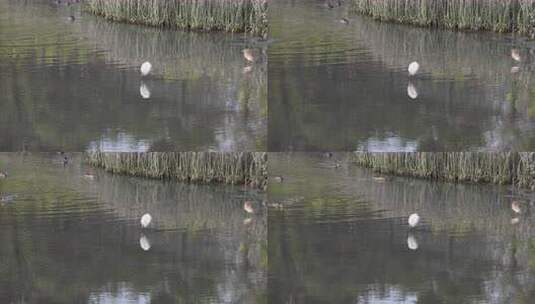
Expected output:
{"points": [[346, 87], [67, 239], [76, 85], [343, 238]]}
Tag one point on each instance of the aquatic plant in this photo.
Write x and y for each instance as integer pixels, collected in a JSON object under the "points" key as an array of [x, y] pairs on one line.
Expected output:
{"points": [[205, 15], [495, 15], [496, 168], [248, 168]]}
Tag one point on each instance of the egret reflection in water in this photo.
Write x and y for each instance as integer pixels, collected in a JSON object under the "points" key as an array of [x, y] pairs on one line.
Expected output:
{"points": [[349, 238], [74, 86], [338, 88], [89, 236]]}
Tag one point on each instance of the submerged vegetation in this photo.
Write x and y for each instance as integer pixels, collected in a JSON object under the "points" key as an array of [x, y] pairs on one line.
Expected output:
{"points": [[494, 15], [205, 15], [249, 168], [496, 168]]}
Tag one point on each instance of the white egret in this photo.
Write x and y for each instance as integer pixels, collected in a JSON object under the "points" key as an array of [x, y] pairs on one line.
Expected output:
{"points": [[515, 54], [145, 220], [414, 219], [145, 69], [249, 55], [248, 207], [278, 179], [515, 206], [89, 176], [414, 67]]}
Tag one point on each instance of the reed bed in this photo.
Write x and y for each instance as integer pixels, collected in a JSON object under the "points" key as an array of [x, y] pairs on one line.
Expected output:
{"points": [[495, 168], [249, 168], [494, 15], [204, 15]]}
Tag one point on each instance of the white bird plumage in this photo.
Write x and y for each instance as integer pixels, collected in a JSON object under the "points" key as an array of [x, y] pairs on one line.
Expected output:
{"points": [[412, 92], [414, 219], [515, 206], [144, 243], [145, 69], [414, 67], [412, 243], [145, 220], [515, 54], [144, 91], [248, 207]]}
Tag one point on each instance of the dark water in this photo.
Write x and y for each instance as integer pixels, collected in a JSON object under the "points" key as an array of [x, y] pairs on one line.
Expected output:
{"points": [[69, 239], [76, 85], [346, 87], [343, 237]]}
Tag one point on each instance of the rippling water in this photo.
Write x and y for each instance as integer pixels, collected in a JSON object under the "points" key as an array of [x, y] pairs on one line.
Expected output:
{"points": [[76, 85], [70, 239], [343, 87], [343, 237]]}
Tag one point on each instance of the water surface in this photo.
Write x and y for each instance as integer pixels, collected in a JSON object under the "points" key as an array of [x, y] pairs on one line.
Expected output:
{"points": [[343, 87], [75, 85], [70, 239], [343, 237]]}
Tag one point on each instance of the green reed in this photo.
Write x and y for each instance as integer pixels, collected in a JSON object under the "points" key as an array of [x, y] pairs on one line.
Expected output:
{"points": [[249, 168], [494, 15], [496, 168], [203, 15]]}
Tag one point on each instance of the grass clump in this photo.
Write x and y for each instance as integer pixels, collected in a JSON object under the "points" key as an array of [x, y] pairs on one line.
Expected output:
{"points": [[204, 15], [494, 15], [495, 168], [249, 168]]}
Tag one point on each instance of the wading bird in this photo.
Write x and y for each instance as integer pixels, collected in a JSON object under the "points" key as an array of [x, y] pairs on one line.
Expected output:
{"points": [[278, 179], [248, 207], [250, 55], [145, 220], [515, 54], [515, 206], [146, 68], [414, 219], [414, 67], [89, 176]]}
